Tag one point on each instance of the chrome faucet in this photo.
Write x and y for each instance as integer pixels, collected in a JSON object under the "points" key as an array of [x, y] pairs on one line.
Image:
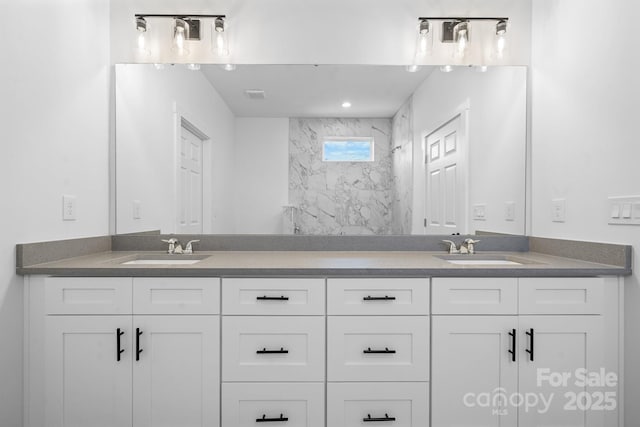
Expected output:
{"points": [[188, 249], [468, 246], [173, 248], [452, 247]]}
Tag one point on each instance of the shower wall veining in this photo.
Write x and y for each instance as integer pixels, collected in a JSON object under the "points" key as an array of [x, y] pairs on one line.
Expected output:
{"points": [[402, 167], [340, 197]]}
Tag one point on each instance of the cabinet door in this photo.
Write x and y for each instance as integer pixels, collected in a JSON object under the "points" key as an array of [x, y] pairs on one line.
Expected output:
{"points": [[561, 345], [86, 385], [470, 362], [176, 379]]}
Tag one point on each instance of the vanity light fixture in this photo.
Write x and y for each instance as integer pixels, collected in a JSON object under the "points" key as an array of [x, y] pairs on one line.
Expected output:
{"points": [[185, 28], [501, 38], [457, 31], [219, 41], [141, 26]]}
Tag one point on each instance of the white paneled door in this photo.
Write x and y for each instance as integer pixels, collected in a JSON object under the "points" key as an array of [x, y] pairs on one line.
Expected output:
{"points": [[190, 182], [88, 369], [445, 189], [176, 373], [473, 360]]}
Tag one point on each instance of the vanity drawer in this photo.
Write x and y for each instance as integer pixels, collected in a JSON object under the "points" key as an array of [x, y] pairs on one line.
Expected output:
{"points": [[475, 295], [280, 297], [170, 295], [363, 348], [277, 349], [302, 405], [384, 296], [561, 295], [88, 295], [351, 404]]}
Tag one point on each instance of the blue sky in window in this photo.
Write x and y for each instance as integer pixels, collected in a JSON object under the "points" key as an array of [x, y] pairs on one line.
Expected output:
{"points": [[347, 151]]}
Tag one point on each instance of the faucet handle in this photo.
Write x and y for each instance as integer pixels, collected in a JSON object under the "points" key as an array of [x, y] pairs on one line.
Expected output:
{"points": [[452, 246], [188, 249], [469, 244], [172, 245]]}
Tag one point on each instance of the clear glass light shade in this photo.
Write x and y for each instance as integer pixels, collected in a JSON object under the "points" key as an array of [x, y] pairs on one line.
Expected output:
{"points": [[424, 41], [220, 43], [179, 45], [500, 45], [142, 43]]}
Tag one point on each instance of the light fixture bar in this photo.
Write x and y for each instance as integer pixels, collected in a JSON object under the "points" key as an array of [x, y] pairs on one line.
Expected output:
{"points": [[181, 16], [459, 18]]}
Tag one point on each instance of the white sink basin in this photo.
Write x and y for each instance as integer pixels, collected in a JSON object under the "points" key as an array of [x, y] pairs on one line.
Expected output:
{"points": [[165, 259], [486, 260], [482, 262]]}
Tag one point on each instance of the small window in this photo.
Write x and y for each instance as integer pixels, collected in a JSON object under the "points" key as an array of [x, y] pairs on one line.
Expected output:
{"points": [[347, 149]]}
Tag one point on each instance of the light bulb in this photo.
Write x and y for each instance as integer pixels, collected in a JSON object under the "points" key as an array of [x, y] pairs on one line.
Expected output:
{"points": [[424, 41], [501, 38], [180, 38], [219, 42], [141, 26], [461, 37]]}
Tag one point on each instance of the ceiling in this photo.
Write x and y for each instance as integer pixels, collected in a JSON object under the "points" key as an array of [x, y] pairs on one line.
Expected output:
{"points": [[316, 90]]}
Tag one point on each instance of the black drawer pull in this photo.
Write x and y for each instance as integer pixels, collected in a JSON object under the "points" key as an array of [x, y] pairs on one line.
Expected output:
{"points": [[512, 351], [386, 418], [266, 298], [119, 351], [265, 351], [530, 349], [138, 349], [264, 419], [385, 351], [384, 298]]}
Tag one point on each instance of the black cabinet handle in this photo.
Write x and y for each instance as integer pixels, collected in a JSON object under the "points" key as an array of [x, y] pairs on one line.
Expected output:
{"points": [[264, 419], [265, 351], [119, 351], [530, 349], [386, 418], [385, 351], [138, 349], [512, 334], [266, 298], [384, 298]]}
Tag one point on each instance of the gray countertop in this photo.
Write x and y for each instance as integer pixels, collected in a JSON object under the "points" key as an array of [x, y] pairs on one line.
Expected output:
{"points": [[322, 263]]}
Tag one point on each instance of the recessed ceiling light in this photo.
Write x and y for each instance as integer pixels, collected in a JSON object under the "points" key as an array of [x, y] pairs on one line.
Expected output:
{"points": [[229, 67], [446, 68], [412, 68], [193, 67], [481, 68], [346, 104]]}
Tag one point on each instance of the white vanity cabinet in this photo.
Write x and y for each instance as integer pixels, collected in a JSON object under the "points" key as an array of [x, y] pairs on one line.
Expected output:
{"points": [[273, 352], [377, 352], [142, 361], [508, 340]]}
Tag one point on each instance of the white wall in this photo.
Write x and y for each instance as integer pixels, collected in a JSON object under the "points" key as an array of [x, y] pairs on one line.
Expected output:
{"points": [[145, 145], [496, 139], [585, 111], [261, 174], [54, 110], [317, 31]]}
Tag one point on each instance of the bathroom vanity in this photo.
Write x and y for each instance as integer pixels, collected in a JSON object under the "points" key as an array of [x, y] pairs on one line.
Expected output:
{"points": [[322, 338]]}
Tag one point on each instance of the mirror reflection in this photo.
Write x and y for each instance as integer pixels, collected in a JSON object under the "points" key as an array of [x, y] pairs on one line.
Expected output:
{"points": [[344, 149]]}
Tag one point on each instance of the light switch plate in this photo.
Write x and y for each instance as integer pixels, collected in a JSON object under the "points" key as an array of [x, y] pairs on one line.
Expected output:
{"points": [[510, 211], [480, 212], [68, 208], [558, 210], [624, 210]]}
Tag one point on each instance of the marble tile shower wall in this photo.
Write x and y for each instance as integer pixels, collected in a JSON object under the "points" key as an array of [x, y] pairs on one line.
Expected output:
{"points": [[402, 167], [340, 197]]}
